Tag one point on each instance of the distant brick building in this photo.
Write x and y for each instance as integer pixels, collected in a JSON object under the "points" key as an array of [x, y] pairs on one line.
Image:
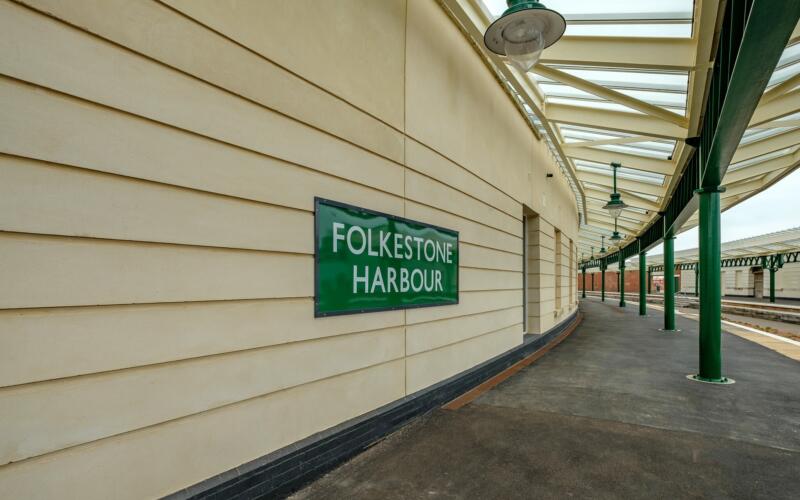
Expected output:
{"points": [[593, 281]]}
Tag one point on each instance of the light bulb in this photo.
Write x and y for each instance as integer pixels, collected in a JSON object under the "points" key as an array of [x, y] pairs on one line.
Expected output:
{"points": [[523, 43], [615, 212]]}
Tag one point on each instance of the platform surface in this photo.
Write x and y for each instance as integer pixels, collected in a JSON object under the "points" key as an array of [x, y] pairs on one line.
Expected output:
{"points": [[606, 414]]}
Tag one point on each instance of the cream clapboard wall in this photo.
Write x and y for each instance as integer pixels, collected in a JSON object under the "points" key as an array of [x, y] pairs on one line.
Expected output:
{"points": [[787, 281], [157, 172]]}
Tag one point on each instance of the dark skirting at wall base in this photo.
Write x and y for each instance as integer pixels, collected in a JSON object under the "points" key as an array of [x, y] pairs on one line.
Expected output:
{"points": [[286, 470]]}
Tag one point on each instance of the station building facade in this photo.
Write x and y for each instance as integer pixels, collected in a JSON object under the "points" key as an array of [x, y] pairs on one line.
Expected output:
{"points": [[160, 164], [743, 281], [751, 280]]}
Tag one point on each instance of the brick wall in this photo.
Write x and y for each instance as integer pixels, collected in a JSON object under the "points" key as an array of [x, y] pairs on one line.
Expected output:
{"points": [[612, 281]]}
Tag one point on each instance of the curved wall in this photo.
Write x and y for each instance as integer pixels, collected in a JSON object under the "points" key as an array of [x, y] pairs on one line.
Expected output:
{"points": [[158, 167]]}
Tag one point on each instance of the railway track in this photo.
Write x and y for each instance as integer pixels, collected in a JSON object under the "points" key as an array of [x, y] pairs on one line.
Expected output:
{"points": [[784, 313]]}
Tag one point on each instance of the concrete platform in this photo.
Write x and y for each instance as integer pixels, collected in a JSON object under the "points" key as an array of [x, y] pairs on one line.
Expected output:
{"points": [[763, 300], [606, 414]]}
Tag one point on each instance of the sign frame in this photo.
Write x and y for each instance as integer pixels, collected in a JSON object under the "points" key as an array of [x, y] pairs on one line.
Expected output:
{"points": [[324, 314]]}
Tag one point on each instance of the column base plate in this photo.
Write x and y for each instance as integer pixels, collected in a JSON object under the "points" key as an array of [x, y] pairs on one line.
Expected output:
{"points": [[706, 380]]}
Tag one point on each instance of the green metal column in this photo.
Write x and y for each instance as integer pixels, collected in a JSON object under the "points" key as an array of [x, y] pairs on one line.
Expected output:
{"points": [[583, 285], [772, 284], [643, 275], [649, 281], [775, 263], [753, 37], [696, 278], [669, 282], [621, 282], [603, 282], [710, 287]]}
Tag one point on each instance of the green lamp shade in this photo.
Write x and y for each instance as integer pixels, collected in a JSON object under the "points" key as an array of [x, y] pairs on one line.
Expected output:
{"points": [[615, 205], [524, 30]]}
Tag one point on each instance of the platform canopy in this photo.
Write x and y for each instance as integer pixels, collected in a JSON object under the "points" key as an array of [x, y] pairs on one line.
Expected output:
{"points": [[628, 83], [764, 244]]}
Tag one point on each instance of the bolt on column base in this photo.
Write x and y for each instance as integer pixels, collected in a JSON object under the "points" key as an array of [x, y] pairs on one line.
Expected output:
{"points": [[706, 380]]}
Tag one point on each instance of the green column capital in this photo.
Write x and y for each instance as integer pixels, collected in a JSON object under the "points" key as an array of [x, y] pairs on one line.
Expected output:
{"points": [[710, 189]]}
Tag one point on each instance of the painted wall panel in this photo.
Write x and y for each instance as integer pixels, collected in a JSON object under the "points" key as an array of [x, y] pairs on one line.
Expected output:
{"points": [[173, 40], [362, 73], [476, 256], [45, 127], [488, 279], [41, 344], [426, 336], [156, 200], [433, 164], [458, 109], [469, 303], [81, 410], [169, 456], [424, 190], [471, 232], [123, 208], [84, 271], [429, 367], [89, 68]]}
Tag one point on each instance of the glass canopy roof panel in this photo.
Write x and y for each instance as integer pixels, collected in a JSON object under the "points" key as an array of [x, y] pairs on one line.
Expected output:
{"points": [[637, 210], [593, 104], [754, 134], [661, 30], [793, 116], [606, 190], [631, 220], [627, 18], [645, 147], [632, 149], [576, 133], [629, 79], [782, 74], [622, 173], [661, 146], [672, 101], [596, 230], [648, 197], [657, 87], [788, 66], [790, 55], [761, 159], [665, 89], [558, 90], [672, 10], [777, 247]]}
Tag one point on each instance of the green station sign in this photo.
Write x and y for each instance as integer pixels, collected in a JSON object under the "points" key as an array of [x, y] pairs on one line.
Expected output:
{"points": [[368, 261]]}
